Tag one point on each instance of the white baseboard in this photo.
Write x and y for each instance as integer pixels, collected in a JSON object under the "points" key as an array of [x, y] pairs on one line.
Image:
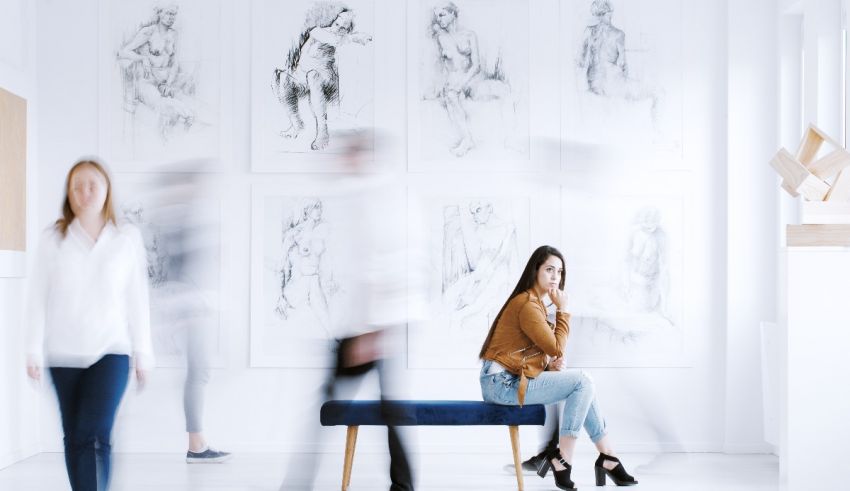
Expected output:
{"points": [[750, 448], [379, 447], [14, 456]]}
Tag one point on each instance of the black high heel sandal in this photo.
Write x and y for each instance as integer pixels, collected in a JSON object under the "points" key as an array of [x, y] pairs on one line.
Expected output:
{"points": [[618, 474], [562, 478], [533, 464]]}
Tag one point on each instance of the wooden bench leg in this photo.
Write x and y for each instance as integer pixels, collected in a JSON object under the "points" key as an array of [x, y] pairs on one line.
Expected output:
{"points": [[350, 442], [514, 430]]}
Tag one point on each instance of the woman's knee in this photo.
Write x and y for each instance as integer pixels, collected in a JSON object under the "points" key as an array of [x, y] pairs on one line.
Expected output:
{"points": [[88, 430], [585, 381]]}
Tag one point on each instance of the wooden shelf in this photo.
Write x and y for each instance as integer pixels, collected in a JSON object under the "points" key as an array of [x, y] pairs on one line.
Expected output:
{"points": [[818, 235]]}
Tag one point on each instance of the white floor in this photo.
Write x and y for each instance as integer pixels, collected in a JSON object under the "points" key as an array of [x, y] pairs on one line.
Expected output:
{"points": [[264, 472]]}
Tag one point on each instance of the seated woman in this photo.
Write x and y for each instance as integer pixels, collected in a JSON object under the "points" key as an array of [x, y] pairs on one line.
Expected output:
{"points": [[523, 357]]}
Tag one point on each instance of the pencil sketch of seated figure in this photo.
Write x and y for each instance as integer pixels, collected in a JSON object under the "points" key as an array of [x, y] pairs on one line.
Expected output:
{"points": [[152, 75], [462, 76], [311, 69], [635, 307], [306, 280], [479, 257], [603, 60], [155, 250], [647, 276]]}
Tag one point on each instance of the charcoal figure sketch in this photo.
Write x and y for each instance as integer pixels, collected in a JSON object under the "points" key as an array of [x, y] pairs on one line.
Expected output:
{"points": [[153, 76], [603, 60], [636, 307], [463, 76], [479, 257], [306, 281], [311, 71], [647, 283], [155, 250]]}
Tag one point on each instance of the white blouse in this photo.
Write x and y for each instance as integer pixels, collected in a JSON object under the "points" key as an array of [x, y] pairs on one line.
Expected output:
{"points": [[88, 299]]}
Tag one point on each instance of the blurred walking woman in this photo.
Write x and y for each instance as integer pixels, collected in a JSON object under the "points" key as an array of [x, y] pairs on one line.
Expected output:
{"points": [[523, 358], [88, 314]]}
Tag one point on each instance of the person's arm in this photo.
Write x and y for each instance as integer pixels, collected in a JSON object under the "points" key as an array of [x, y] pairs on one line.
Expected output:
{"points": [[173, 69], [128, 51], [325, 36], [138, 307], [584, 59], [359, 37], [36, 299], [532, 321], [474, 59], [621, 52]]}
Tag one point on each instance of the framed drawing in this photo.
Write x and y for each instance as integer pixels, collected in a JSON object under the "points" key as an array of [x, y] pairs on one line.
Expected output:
{"points": [[622, 82], [13, 184], [179, 217], [625, 260], [481, 82], [306, 273], [317, 68], [162, 85], [477, 240]]}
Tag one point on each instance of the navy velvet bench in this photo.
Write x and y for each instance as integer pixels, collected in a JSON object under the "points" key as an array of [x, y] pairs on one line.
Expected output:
{"points": [[354, 414]]}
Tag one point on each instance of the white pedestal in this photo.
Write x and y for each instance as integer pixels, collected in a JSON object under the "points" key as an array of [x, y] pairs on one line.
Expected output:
{"points": [[817, 397]]}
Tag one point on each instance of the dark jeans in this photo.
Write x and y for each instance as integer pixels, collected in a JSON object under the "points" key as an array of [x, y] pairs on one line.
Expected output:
{"points": [[400, 473], [88, 401]]}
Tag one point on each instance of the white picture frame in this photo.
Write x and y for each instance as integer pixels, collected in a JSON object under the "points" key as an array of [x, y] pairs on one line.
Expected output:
{"points": [[155, 109], [629, 111], [364, 70], [307, 278], [478, 238], [625, 251], [505, 118]]}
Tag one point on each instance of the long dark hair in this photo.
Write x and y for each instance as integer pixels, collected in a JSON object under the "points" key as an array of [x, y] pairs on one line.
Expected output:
{"points": [[526, 282]]}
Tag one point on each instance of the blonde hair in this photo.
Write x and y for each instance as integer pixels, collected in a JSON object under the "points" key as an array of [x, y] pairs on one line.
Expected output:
{"points": [[108, 212]]}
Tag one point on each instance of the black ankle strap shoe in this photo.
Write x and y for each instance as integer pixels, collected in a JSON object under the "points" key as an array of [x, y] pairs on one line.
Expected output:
{"points": [[618, 474], [562, 478]]}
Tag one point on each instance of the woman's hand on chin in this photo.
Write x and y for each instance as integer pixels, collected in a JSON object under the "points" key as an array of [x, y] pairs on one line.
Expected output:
{"points": [[559, 298]]}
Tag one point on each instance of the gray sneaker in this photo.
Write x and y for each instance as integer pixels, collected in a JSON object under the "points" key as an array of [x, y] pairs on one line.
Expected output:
{"points": [[208, 456]]}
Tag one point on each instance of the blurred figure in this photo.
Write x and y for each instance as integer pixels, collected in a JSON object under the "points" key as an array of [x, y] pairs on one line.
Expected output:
{"points": [[378, 308], [186, 234], [88, 313]]}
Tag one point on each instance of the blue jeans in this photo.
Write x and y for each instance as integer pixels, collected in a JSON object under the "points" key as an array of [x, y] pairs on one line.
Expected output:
{"points": [[88, 401], [574, 387]]}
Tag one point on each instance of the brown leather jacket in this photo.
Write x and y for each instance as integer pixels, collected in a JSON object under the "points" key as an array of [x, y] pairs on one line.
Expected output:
{"points": [[524, 340]]}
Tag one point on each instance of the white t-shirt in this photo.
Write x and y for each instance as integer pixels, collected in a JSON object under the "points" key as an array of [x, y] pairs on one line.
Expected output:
{"points": [[88, 299]]}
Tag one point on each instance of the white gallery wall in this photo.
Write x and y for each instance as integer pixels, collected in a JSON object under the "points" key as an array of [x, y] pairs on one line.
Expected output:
{"points": [[19, 435], [675, 402]]}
